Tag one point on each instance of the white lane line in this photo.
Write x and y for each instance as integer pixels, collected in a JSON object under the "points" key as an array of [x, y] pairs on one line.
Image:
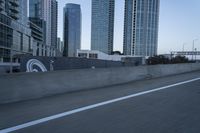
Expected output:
{"points": [[39, 121]]}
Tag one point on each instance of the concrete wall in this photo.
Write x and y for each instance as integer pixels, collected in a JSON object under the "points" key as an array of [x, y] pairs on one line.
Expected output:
{"points": [[24, 86], [5, 67]]}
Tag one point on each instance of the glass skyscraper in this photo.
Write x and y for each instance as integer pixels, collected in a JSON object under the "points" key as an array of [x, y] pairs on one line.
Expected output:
{"points": [[102, 25], [54, 22], [72, 29], [141, 21]]}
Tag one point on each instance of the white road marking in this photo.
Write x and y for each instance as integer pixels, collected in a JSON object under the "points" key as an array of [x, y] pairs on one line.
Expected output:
{"points": [[39, 121]]}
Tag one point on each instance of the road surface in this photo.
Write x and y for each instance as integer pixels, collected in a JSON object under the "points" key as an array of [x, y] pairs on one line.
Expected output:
{"points": [[162, 105]]}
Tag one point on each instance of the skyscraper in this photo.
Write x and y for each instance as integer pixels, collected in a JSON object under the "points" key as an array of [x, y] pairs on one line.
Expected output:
{"points": [[54, 22], [46, 10], [72, 29], [15, 35], [102, 25], [141, 27]]}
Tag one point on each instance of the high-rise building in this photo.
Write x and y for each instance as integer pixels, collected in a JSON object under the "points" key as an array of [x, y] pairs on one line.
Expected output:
{"points": [[72, 29], [46, 10], [54, 22], [15, 34], [102, 25], [141, 27]]}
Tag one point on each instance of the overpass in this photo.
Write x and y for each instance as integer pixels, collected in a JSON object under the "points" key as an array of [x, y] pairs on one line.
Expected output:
{"points": [[161, 105]]}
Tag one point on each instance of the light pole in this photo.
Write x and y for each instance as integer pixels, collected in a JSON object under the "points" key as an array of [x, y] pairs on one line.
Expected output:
{"points": [[193, 47], [195, 54], [183, 47], [51, 65]]}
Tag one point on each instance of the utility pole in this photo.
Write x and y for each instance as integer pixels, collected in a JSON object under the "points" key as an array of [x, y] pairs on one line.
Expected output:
{"points": [[193, 48], [183, 49], [195, 54]]}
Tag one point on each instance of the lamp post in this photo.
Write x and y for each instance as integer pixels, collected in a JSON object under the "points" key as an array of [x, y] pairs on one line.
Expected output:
{"points": [[183, 47], [195, 54], [193, 47], [51, 65]]}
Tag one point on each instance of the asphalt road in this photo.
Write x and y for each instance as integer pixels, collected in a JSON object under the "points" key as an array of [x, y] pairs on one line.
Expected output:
{"points": [[172, 109]]}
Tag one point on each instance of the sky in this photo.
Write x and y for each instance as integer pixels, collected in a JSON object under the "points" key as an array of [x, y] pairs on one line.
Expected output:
{"points": [[179, 24]]}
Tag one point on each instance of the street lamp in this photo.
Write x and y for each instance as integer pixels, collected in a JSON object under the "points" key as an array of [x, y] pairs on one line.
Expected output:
{"points": [[193, 47], [195, 54], [184, 46]]}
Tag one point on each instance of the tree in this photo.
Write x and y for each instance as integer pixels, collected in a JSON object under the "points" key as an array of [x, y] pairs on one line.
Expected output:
{"points": [[161, 59], [158, 59]]}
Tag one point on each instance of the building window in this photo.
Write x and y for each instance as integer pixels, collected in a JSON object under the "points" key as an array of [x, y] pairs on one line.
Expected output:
{"points": [[82, 55], [93, 56]]}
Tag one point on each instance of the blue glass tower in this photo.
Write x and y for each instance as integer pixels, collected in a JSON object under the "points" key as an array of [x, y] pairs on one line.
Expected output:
{"points": [[72, 29]]}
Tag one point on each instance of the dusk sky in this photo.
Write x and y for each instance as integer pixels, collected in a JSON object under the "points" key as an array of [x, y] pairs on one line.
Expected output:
{"points": [[179, 24]]}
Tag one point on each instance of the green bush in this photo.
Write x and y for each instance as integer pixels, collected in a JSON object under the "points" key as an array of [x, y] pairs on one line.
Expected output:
{"points": [[161, 59]]}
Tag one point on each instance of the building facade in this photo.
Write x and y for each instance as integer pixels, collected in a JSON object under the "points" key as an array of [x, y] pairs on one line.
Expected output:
{"points": [[59, 47], [43, 13], [54, 22], [141, 21], [15, 35], [46, 10], [72, 29], [102, 25], [23, 11], [126, 59]]}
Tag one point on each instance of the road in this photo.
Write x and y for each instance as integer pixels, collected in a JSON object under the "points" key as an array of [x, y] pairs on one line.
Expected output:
{"points": [[162, 105]]}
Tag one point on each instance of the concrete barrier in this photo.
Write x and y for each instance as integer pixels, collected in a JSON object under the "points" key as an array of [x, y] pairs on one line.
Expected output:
{"points": [[24, 86], [5, 67]]}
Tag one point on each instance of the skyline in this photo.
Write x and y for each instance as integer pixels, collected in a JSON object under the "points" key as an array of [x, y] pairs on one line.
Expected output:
{"points": [[182, 20]]}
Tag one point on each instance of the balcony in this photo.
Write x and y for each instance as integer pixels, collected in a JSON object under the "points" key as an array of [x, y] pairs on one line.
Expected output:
{"points": [[1, 6], [14, 2], [14, 15], [14, 9]]}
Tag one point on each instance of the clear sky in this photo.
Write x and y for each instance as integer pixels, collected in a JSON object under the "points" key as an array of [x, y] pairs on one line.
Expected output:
{"points": [[179, 24]]}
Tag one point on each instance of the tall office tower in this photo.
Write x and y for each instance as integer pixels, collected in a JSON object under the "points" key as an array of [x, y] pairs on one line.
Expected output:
{"points": [[46, 10], [72, 29], [102, 25], [15, 36], [141, 27], [54, 20]]}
